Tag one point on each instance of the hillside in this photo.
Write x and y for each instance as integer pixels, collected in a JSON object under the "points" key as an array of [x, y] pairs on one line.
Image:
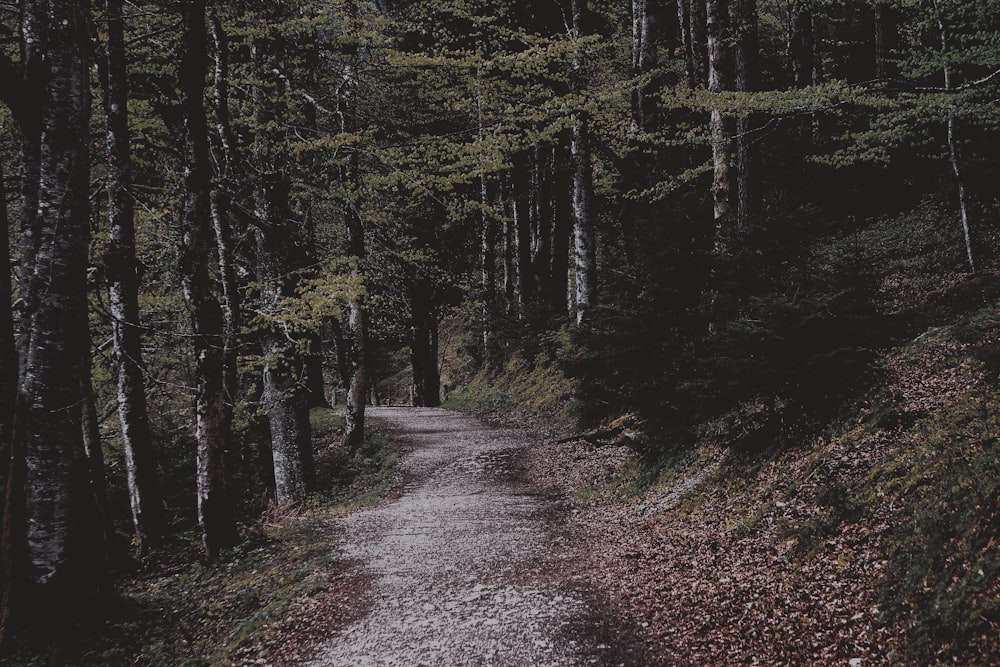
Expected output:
{"points": [[865, 538]]}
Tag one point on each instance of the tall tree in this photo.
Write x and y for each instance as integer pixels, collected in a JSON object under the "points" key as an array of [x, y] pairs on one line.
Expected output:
{"points": [[745, 56], [357, 321], [953, 156], [644, 61], [54, 550], [280, 258], [720, 79], [584, 229], [215, 513], [123, 273]]}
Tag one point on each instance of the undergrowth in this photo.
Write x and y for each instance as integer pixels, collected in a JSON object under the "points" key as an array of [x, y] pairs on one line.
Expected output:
{"points": [[177, 610], [535, 388]]}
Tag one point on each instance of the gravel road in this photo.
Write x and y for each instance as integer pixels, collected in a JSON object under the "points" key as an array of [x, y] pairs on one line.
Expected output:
{"points": [[472, 564]]}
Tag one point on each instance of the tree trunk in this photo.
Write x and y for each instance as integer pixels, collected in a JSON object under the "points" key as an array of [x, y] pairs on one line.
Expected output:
{"points": [[280, 254], [885, 38], [59, 533], [644, 61], [221, 219], [487, 265], [584, 232], [424, 348], [720, 79], [197, 238], [687, 43], [802, 42], [8, 344], [562, 228], [123, 271], [953, 156], [541, 265], [521, 184], [745, 52]]}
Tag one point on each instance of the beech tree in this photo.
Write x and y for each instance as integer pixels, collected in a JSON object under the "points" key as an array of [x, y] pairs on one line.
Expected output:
{"points": [[215, 514], [53, 550], [123, 273]]}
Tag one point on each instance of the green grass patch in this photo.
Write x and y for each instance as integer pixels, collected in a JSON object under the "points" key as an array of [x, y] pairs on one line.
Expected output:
{"points": [[535, 388]]}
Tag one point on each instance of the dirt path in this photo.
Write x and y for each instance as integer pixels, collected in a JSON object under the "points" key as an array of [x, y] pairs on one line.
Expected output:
{"points": [[472, 564]]}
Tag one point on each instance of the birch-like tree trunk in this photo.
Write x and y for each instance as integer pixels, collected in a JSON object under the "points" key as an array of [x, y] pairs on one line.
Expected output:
{"points": [[644, 61], [8, 345], [58, 555], [802, 42], [562, 228], [584, 231], [123, 272], [197, 241], [222, 195], [280, 255], [521, 185], [953, 157], [720, 79], [687, 42], [745, 61]]}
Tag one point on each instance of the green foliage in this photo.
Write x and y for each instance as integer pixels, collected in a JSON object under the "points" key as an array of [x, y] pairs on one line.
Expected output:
{"points": [[535, 389]]}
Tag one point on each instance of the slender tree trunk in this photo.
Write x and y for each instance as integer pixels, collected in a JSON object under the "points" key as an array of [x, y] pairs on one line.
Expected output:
{"points": [[745, 53], [562, 228], [215, 513], [885, 38], [509, 247], [802, 42], [584, 231], [720, 79], [542, 197], [357, 393], [280, 256], [644, 61], [59, 533], [687, 43], [90, 427], [123, 272], [953, 157], [698, 20], [222, 195], [8, 345], [423, 348], [521, 183]]}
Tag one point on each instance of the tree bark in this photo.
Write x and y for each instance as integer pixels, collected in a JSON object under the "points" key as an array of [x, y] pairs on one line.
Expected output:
{"points": [[541, 263], [280, 254], [123, 271], [802, 42], [720, 79], [746, 56], [232, 299], [521, 184], [424, 348], [687, 42], [885, 38], [197, 238], [953, 157], [562, 228], [59, 532], [584, 231], [644, 61], [8, 345]]}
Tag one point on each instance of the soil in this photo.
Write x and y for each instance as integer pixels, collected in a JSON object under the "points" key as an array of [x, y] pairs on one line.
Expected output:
{"points": [[476, 562]]}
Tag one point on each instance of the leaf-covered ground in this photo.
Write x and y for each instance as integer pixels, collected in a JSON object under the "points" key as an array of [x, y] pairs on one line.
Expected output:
{"points": [[874, 542]]}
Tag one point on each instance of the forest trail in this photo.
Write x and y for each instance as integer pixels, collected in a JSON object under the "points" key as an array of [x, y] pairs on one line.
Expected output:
{"points": [[471, 564]]}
